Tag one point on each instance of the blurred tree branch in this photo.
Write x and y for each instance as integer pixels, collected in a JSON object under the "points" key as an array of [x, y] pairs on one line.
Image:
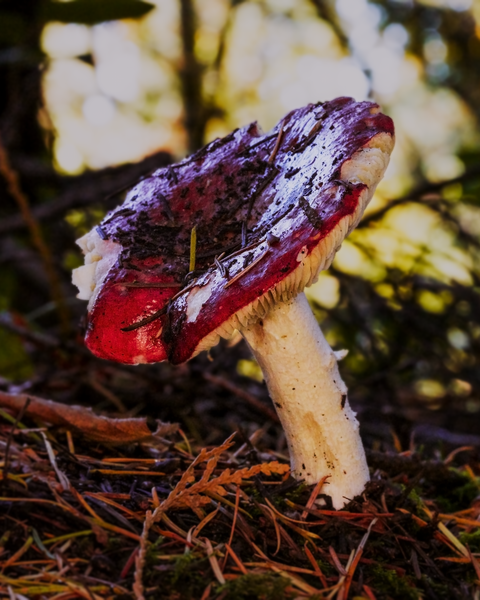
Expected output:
{"points": [[102, 186], [417, 192], [13, 186], [327, 12], [191, 78]]}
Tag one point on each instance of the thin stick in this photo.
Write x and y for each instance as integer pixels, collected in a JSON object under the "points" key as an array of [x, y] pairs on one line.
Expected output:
{"points": [[237, 252], [214, 562], [300, 147], [128, 565], [356, 559], [156, 284], [315, 566], [18, 418], [474, 562], [246, 270], [18, 554], [263, 184], [101, 232], [193, 248], [216, 263], [238, 562], [267, 138], [14, 189], [313, 496], [62, 478], [278, 143], [244, 233], [234, 523], [185, 289], [70, 444], [336, 561], [235, 514], [206, 592], [159, 312], [278, 528], [156, 315], [221, 268], [195, 531]]}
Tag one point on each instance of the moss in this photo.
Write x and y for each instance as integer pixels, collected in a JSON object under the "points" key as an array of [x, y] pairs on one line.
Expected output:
{"points": [[438, 590], [414, 496], [185, 570], [460, 496], [326, 568], [115, 543], [297, 493], [253, 510], [153, 549], [257, 587], [185, 579], [388, 583], [472, 539]]}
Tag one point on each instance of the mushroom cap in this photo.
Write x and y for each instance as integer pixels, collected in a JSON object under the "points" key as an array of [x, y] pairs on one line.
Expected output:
{"points": [[278, 205]]}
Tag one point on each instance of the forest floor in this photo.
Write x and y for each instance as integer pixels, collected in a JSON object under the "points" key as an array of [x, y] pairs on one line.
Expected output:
{"points": [[208, 510]]}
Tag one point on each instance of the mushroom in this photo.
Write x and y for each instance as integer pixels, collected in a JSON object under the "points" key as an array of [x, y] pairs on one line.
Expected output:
{"points": [[227, 240]]}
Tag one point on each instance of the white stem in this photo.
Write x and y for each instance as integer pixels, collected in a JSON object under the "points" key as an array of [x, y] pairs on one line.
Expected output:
{"points": [[310, 397]]}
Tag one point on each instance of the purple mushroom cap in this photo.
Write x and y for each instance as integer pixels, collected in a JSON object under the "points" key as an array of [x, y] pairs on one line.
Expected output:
{"points": [[269, 211]]}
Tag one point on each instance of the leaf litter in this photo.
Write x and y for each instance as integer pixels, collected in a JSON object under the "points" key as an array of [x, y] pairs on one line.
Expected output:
{"points": [[83, 519]]}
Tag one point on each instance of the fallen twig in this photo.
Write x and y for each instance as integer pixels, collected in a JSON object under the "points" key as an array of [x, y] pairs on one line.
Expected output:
{"points": [[86, 423], [6, 461]]}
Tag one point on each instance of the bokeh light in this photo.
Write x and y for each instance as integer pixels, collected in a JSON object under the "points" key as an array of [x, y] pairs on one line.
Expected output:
{"points": [[114, 96]]}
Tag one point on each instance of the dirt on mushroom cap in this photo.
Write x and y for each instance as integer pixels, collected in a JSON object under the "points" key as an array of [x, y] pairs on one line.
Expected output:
{"points": [[236, 191]]}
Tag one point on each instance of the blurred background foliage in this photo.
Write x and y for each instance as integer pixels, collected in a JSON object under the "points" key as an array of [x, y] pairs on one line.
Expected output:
{"points": [[93, 95]]}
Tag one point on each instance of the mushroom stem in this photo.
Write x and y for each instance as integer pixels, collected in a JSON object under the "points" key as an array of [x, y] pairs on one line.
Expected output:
{"points": [[310, 397]]}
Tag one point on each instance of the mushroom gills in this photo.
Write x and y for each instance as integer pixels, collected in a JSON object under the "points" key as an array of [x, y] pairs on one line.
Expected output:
{"points": [[100, 256]]}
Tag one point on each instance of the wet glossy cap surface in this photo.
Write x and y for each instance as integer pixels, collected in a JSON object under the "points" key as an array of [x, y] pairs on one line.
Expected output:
{"points": [[278, 196]]}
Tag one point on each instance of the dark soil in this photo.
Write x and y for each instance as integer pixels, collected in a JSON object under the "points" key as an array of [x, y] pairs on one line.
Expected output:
{"points": [[72, 525]]}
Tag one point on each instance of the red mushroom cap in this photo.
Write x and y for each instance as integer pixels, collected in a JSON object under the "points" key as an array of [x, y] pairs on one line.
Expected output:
{"points": [[277, 206]]}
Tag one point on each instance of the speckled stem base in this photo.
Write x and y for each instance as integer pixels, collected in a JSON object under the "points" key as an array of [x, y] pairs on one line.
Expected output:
{"points": [[310, 397]]}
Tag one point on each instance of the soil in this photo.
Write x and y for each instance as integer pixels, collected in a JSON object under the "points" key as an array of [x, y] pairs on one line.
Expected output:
{"points": [[233, 524]]}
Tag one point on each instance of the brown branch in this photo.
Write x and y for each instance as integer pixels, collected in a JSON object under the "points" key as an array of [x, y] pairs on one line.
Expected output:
{"points": [[25, 261], [14, 188], [419, 191], [89, 188], [40, 339], [84, 422], [212, 108], [327, 12], [191, 78]]}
